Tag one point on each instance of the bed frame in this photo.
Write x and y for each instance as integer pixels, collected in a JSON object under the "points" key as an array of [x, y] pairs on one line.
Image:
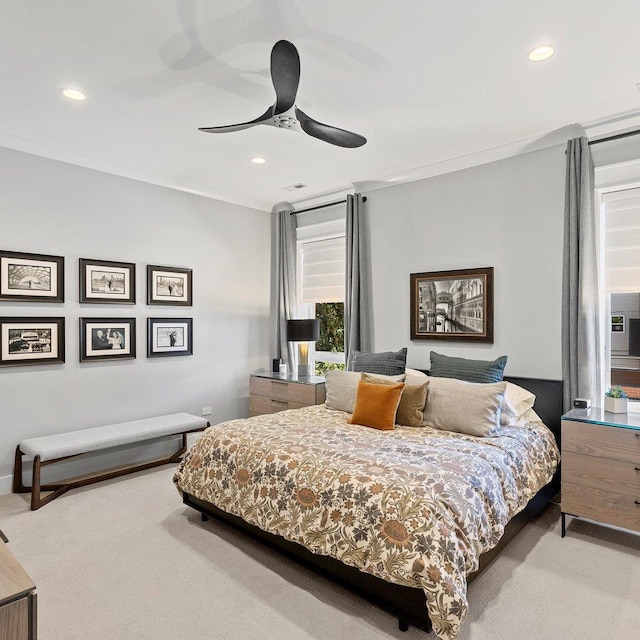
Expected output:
{"points": [[406, 603]]}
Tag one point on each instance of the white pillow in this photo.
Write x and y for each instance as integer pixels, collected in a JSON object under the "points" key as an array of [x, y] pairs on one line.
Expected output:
{"points": [[517, 401], [464, 407], [415, 372]]}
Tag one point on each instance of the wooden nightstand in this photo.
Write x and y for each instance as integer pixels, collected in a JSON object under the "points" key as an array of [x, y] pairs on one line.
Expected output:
{"points": [[273, 392], [601, 467], [17, 599]]}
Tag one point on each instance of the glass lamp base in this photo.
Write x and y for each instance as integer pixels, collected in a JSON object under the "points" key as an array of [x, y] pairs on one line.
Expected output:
{"points": [[304, 371]]}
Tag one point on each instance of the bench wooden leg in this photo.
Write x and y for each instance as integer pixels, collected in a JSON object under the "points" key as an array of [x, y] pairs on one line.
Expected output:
{"points": [[36, 503], [18, 486]]}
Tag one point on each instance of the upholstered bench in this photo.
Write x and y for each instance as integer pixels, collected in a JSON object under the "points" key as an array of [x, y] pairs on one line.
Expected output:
{"points": [[47, 450]]}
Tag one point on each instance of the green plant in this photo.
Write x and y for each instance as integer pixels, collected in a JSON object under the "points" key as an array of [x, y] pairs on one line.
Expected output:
{"points": [[615, 392], [331, 316], [323, 367]]}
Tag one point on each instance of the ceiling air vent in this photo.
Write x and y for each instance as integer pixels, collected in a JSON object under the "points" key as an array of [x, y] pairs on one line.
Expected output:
{"points": [[295, 187]]}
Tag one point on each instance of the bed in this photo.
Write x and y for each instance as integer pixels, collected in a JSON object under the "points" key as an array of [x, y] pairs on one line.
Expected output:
{"points": [[403, 518]]}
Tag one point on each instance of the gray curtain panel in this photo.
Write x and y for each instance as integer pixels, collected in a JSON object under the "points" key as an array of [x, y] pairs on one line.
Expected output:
{"points": [[286, 285], [581, 348], [357, 321]]}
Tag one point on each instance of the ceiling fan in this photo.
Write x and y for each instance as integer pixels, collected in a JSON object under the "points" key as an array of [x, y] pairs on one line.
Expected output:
{"points": [[285, 75]]}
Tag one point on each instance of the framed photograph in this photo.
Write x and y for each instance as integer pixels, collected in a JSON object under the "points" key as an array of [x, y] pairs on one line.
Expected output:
{"points": [[31, 341], [107, 339], [31, 277], [169, 337], [452, 305], [105, 281], [169, 286], [617, 323]]}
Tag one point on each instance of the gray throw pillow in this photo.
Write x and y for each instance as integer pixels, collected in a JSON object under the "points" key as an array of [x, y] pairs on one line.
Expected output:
{"points": [[386, 363], [486, 371], [464, 407], [341, 388]]}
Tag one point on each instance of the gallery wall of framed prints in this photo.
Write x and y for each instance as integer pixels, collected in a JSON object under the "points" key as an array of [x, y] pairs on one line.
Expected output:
{"points": [[37, 278]]}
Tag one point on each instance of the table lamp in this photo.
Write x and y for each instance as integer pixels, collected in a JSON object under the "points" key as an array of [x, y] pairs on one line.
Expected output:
{"points": [[303, 332]]}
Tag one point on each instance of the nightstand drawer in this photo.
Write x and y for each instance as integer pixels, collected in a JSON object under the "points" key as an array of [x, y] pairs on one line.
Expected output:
{"points": [[606, 506], [602, 473], [261, 404], [601, 441], [270, 388], [269, 394]]}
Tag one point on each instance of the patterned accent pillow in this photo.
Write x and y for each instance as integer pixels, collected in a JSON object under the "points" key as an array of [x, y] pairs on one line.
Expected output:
{"points": [[376, 405], [464, 407], [414, 396], [387, 363], [486, 371]]}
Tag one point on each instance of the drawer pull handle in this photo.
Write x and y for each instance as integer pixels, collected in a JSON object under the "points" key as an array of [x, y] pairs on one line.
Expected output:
{"points": [[278, 401], [637, 501], [637, 468]]}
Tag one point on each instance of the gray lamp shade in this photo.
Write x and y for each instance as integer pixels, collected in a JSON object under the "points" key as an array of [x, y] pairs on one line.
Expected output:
{"points": [[303, 330]]}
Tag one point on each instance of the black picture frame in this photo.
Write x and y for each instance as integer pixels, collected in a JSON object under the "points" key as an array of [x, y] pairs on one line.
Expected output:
{"points": [[107, 282], [31, 277], [452, 305], [169, 286], [618, 323], [31, 340], [169, 337], [107, 339]]}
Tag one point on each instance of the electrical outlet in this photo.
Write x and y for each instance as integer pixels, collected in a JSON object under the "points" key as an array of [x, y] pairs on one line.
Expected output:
{"points": [[206, 411]]}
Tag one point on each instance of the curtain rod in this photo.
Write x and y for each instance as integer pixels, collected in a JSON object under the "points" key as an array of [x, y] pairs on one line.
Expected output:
{"points": [[616, 137], [322, 206]]}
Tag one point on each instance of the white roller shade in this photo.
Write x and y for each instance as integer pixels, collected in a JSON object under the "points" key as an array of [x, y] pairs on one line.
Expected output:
{"points": [[622, 241], [322, 270]]}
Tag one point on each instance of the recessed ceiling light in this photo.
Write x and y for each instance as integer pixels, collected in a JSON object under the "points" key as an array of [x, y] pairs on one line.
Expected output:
{"points": [[73, 94], [258, 160], [540, 53]]}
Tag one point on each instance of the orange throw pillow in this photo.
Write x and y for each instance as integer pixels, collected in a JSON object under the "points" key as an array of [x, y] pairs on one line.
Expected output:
{"points": [[376, 404]]}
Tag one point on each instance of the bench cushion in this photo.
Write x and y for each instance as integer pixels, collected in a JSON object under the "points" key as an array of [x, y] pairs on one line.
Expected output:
{"points": [[61, 445]]}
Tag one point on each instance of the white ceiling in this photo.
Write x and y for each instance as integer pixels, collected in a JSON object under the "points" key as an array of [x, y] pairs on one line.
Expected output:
{"points": [[423, 81]]}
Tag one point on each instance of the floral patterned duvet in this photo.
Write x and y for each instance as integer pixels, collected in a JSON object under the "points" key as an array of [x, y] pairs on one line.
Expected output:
{"points": [[414, 506]]}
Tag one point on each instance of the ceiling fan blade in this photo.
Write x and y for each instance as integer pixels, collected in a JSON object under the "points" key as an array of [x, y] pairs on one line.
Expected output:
{"points": [[327, 133], [285, 74], [238, 127]]}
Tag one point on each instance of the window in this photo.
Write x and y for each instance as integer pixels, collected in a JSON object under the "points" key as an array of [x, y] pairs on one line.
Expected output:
{"points": [[621, 211], [321, 273], [329, 352]]}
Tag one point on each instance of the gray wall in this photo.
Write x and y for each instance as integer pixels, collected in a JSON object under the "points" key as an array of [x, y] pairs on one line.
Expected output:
{"points": [[506, 214], [61, 209]]}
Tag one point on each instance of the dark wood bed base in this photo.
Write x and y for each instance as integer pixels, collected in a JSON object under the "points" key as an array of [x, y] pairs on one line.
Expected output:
{"points": [[406, 603]]}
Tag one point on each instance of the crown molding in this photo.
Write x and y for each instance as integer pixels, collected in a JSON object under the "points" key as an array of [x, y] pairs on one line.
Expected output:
{"points": [[52, 152], [503, 152], [612, 125]]}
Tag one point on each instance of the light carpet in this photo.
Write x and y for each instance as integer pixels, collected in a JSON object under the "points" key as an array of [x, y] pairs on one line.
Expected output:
{"points": [[125, 560]]}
